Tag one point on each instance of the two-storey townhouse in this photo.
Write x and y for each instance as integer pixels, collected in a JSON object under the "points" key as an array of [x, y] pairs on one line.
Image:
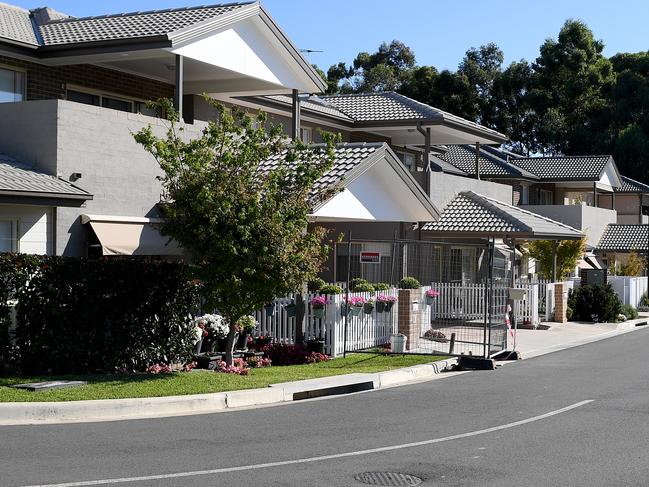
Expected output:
{"points": [[72, 179]]}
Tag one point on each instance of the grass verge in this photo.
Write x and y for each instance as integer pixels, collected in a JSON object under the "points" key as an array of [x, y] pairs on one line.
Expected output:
{"points": [[111, 386]]}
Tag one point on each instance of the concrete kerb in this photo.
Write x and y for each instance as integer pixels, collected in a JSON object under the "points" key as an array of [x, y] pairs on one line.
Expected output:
{"points": [[34, 413]]}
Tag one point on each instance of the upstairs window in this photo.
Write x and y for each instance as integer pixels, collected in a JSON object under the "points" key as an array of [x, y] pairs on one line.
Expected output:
{"points": [[106, 101], [8, 236], [306, 134], [12, 85], [409, 160]]}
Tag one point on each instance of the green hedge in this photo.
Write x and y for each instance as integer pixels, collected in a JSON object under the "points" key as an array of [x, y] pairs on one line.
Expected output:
{"points": [[81, 315], [595, 302]]}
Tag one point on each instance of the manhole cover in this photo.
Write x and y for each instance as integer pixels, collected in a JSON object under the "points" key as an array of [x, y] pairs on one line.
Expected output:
{"points": [[387, 478]]}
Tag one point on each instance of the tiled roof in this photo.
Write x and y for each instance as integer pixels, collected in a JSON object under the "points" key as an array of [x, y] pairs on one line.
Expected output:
{"points": [[19, 178], [129, 25], [463, 157], [439, 164], [348, 157], [624, 238], [632, 186], [565, 168], [393, 107], [16, 25], [472, 213], [55, 29], [314, 103]]}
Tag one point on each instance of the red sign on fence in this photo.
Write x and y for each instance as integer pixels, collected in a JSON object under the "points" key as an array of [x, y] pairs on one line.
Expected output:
{"points": [[370, 257]]}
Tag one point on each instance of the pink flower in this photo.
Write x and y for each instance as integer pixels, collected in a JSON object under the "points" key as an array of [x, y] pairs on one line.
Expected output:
{"points": [[318, 301], [431, 293], [383, 298]]}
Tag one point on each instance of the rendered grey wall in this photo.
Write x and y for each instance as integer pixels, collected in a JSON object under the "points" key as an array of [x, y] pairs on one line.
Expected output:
{"points": [[592, 221], [445, 187], [28, 133], [120, 174]]}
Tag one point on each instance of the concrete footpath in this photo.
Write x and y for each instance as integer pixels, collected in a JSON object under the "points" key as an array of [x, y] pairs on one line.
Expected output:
{"points": [[531, 343]]}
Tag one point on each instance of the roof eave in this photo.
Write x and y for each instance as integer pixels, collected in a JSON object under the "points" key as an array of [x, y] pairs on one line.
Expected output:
{"points": [[43, 194]]}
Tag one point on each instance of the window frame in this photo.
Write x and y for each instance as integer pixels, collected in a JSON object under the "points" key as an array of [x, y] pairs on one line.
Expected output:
{"points": [[14, 229], [23, 71], [134, 102]]}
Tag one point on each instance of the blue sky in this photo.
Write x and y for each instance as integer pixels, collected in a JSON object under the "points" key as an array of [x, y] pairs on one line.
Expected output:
{"points": [[439, 31]]}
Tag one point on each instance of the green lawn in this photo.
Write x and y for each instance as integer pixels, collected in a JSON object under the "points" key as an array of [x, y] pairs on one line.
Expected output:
{"points": [[201, 382]]}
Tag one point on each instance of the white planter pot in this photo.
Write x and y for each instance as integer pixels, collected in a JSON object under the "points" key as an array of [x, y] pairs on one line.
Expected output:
{"points": [[398, 343]]}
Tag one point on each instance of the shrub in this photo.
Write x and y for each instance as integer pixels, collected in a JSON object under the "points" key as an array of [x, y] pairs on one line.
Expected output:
{"points": [[360, 285], [634, 265], [629, 311], [381, 286], [297, 354], [80, 315], [595, 302], [315, 285], [258, 343], [644, 300], [330, 289], [409, 283], [569, 313]]}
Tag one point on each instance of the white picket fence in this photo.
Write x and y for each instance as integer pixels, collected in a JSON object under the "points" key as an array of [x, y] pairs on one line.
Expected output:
{"points": [[469, 301], [369, 329]]}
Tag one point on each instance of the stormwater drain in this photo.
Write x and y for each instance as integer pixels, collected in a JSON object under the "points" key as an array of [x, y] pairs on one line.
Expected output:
{"points": [[387, 478]]}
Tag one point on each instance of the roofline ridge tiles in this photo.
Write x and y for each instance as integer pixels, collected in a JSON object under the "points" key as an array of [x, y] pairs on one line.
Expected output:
{"points": [[503, 163], [149, 12], [482, 199]]}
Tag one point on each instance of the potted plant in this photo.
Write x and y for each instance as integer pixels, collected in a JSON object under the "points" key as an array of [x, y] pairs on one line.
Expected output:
{"points": [[290, 309], [354, 305], [369, 306], [316, 345], [245, 326], [217, 331], [318, 304], [431, 294], [384, 303]]}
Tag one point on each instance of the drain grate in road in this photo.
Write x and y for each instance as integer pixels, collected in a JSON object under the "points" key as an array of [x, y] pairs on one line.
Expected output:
{"points": [[387, 478]]}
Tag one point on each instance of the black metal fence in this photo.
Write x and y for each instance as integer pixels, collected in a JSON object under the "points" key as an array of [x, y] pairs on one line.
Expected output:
{"points": [[462, 306]]}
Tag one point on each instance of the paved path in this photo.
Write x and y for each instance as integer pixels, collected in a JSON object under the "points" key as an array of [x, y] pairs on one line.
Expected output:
{"points": [[498, 428]]}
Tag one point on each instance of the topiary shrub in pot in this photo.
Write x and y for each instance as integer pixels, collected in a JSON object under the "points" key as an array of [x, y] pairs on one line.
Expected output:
{"points": [[315, 285], [330, 289], [381, 286], [629, 312], [359, 285], [409, 283]]}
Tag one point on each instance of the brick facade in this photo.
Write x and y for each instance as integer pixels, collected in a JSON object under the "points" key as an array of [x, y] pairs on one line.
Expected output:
{"points": [[409, 322], [49, 82], [560, 302]]}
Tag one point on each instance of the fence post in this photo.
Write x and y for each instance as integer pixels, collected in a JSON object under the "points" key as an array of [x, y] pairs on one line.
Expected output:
{"points": [[300, 311]]}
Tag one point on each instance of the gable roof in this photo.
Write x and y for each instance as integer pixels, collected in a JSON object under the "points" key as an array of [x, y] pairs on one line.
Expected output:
{"points": [[16, 25], [351, 161], [624, 238], [18, 179], [631, 186], [491, 166], [474, 215], [312, 104], [565, 168], [131, 25]]}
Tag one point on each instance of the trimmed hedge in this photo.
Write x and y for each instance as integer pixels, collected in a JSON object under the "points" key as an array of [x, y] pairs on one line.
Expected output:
{"points": [[81, 315]]}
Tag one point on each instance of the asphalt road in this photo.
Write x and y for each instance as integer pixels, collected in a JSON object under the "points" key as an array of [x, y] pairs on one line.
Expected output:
{"points": [[604, 442]]}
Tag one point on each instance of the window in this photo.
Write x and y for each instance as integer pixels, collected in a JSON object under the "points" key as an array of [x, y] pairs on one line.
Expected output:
{"points": [[408, 160], [7, 236], [87, 97], [306, 134], [546, 197], [12, 85]]}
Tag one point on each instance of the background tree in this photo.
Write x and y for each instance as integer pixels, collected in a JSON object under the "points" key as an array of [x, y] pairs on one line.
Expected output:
{"points": [[242, 220], [568, 253]]}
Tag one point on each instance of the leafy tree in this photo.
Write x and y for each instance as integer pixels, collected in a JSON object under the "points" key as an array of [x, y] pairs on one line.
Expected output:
{"points": [[568, 252], [242, 220], [481, 67], [571, 77], [383, 70], [633, 266]]}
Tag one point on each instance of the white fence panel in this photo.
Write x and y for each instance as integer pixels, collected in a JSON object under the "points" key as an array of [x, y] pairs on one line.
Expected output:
{"points": [[629, 289]]}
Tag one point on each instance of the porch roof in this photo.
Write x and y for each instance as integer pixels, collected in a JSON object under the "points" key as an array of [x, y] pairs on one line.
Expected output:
{"points": [[474, 215], [18, 180], [373, 185], [632, 186], [624, 238], [493, 163]]}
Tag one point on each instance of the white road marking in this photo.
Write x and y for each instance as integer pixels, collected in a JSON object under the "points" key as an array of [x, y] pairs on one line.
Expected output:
{"points": [[242, 468]]}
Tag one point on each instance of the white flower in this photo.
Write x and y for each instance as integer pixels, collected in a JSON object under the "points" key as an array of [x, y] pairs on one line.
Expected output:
{"points": [[213, 323]]}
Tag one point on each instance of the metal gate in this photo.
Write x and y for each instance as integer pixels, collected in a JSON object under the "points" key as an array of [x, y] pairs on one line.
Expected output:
{"points": [[459, 310]]}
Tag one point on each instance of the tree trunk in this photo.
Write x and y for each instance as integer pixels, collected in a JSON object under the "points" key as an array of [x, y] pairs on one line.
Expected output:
{"points": [[229, 346]]}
